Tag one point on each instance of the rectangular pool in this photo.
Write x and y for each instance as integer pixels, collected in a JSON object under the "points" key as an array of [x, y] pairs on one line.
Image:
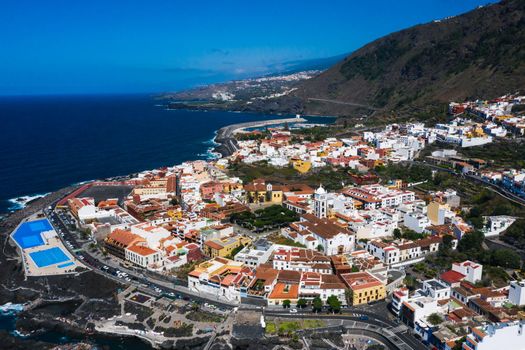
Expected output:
{"points": [[66, 264], [49, 257], [29, 234]]}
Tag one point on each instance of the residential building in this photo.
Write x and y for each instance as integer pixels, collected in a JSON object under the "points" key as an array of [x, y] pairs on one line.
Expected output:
{"points": [[224, 246], [497, 336], [471, 270], [142, 256], [256, 254], [117, 242], [364, 287], [301, 260], [517, 293]]}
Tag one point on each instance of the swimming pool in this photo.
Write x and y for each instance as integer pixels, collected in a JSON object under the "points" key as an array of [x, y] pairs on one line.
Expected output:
{"points": [[49, 257], [28, 235], [66, 264]]}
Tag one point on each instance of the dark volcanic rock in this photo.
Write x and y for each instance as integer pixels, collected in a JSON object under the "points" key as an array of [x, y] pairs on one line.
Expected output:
{"points": [[12, 343]]}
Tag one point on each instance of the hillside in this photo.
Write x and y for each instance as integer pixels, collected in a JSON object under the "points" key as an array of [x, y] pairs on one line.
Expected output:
{"points": [[480, 54], [243, 94]]}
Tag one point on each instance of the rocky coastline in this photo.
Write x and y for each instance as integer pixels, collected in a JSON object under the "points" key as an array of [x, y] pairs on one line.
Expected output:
{"points": [[68, 304]]}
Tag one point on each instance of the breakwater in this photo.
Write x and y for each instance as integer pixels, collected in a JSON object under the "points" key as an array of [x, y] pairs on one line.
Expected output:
{"points": [[225, 136]]}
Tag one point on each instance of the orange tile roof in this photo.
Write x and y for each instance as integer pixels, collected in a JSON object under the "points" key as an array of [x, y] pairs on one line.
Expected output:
{"points": [[284, 291], [141, 250], [123, 237], [360, 280]]}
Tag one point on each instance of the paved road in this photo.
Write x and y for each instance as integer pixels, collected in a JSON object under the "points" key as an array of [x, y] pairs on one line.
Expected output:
{"points": [[110, 269], [376, 314], [342, 103], [398, 334], [493, 187]]}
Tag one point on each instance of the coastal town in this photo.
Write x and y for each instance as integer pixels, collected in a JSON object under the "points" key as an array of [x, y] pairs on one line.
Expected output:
{"points": [[212, 244]]}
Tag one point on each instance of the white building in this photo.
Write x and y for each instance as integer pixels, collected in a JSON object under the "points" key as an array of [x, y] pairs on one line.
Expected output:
{"points": [[417, 222], [500, 336], [320, 203], [256, 255], [142, 256], [517, 293], [495, 225], [469, 269], [436, 289]]}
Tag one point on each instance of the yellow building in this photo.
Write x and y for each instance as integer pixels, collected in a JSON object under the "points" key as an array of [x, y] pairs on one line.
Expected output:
{"points": [[223, 247], [436, 212], [364, 286], [175, 214], [302, 166], [232, 186], [260, 192], [396, 184]]}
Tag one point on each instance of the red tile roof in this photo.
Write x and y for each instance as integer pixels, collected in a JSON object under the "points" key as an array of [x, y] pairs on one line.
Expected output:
{"points": [[451, 277]]}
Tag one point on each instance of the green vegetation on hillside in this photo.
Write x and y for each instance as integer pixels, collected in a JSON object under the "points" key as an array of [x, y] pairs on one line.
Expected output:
{"points": [[480, 54], [331, 178], [266, 218]]}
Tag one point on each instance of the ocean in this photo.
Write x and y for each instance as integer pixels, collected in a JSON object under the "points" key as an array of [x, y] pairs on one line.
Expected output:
{"points": [[49, 142], [97, 341]]}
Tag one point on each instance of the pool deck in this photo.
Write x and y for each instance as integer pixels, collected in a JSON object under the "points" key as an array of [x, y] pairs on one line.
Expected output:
{"points": [[31, 269]]}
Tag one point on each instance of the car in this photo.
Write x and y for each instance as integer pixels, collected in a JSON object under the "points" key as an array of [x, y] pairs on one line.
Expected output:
{"points": [[363, 318], [293, 311]]}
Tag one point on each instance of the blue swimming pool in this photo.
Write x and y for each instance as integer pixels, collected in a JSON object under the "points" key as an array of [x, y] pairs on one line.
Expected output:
{"points": [[49, 257], [28, 235], [66, 264]]}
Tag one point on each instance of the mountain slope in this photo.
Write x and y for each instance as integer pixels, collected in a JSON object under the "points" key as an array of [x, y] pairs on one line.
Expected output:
{"points": [[480, 54]]}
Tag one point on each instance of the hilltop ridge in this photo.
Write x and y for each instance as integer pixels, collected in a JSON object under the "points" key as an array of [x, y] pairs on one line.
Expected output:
{"points": [[480, 54]]}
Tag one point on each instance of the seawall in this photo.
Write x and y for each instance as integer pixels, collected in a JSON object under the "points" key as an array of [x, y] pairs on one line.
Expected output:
{"points": [[225, 135]]}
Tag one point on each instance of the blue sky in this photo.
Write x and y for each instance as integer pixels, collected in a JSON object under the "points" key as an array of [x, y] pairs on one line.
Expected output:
{"points": [[61, 47]]}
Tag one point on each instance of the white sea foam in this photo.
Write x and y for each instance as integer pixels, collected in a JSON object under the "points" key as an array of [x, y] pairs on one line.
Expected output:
{"points": [[10, 308], [21, 202]]}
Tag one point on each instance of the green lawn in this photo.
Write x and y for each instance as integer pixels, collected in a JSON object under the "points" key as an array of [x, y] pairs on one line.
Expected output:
{"points": [[291, 326]]}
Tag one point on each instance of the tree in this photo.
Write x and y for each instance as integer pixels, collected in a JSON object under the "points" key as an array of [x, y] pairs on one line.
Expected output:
{"points": [[349, 295], [397, 233], [410, 282], [435, 319], [195, 306], [471, 242], [286, 303], [447, 243], [459, 344], [301, 303], [506, 258], [333, 302], [320, 248], [317, 304]]}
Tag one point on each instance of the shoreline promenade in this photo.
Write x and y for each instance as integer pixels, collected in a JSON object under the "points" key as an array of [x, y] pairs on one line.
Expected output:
{"points": [[228, 144]]}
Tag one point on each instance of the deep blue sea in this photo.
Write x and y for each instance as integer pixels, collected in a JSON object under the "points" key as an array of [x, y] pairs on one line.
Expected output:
{"points": [[48, 142], [98, 341]]}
